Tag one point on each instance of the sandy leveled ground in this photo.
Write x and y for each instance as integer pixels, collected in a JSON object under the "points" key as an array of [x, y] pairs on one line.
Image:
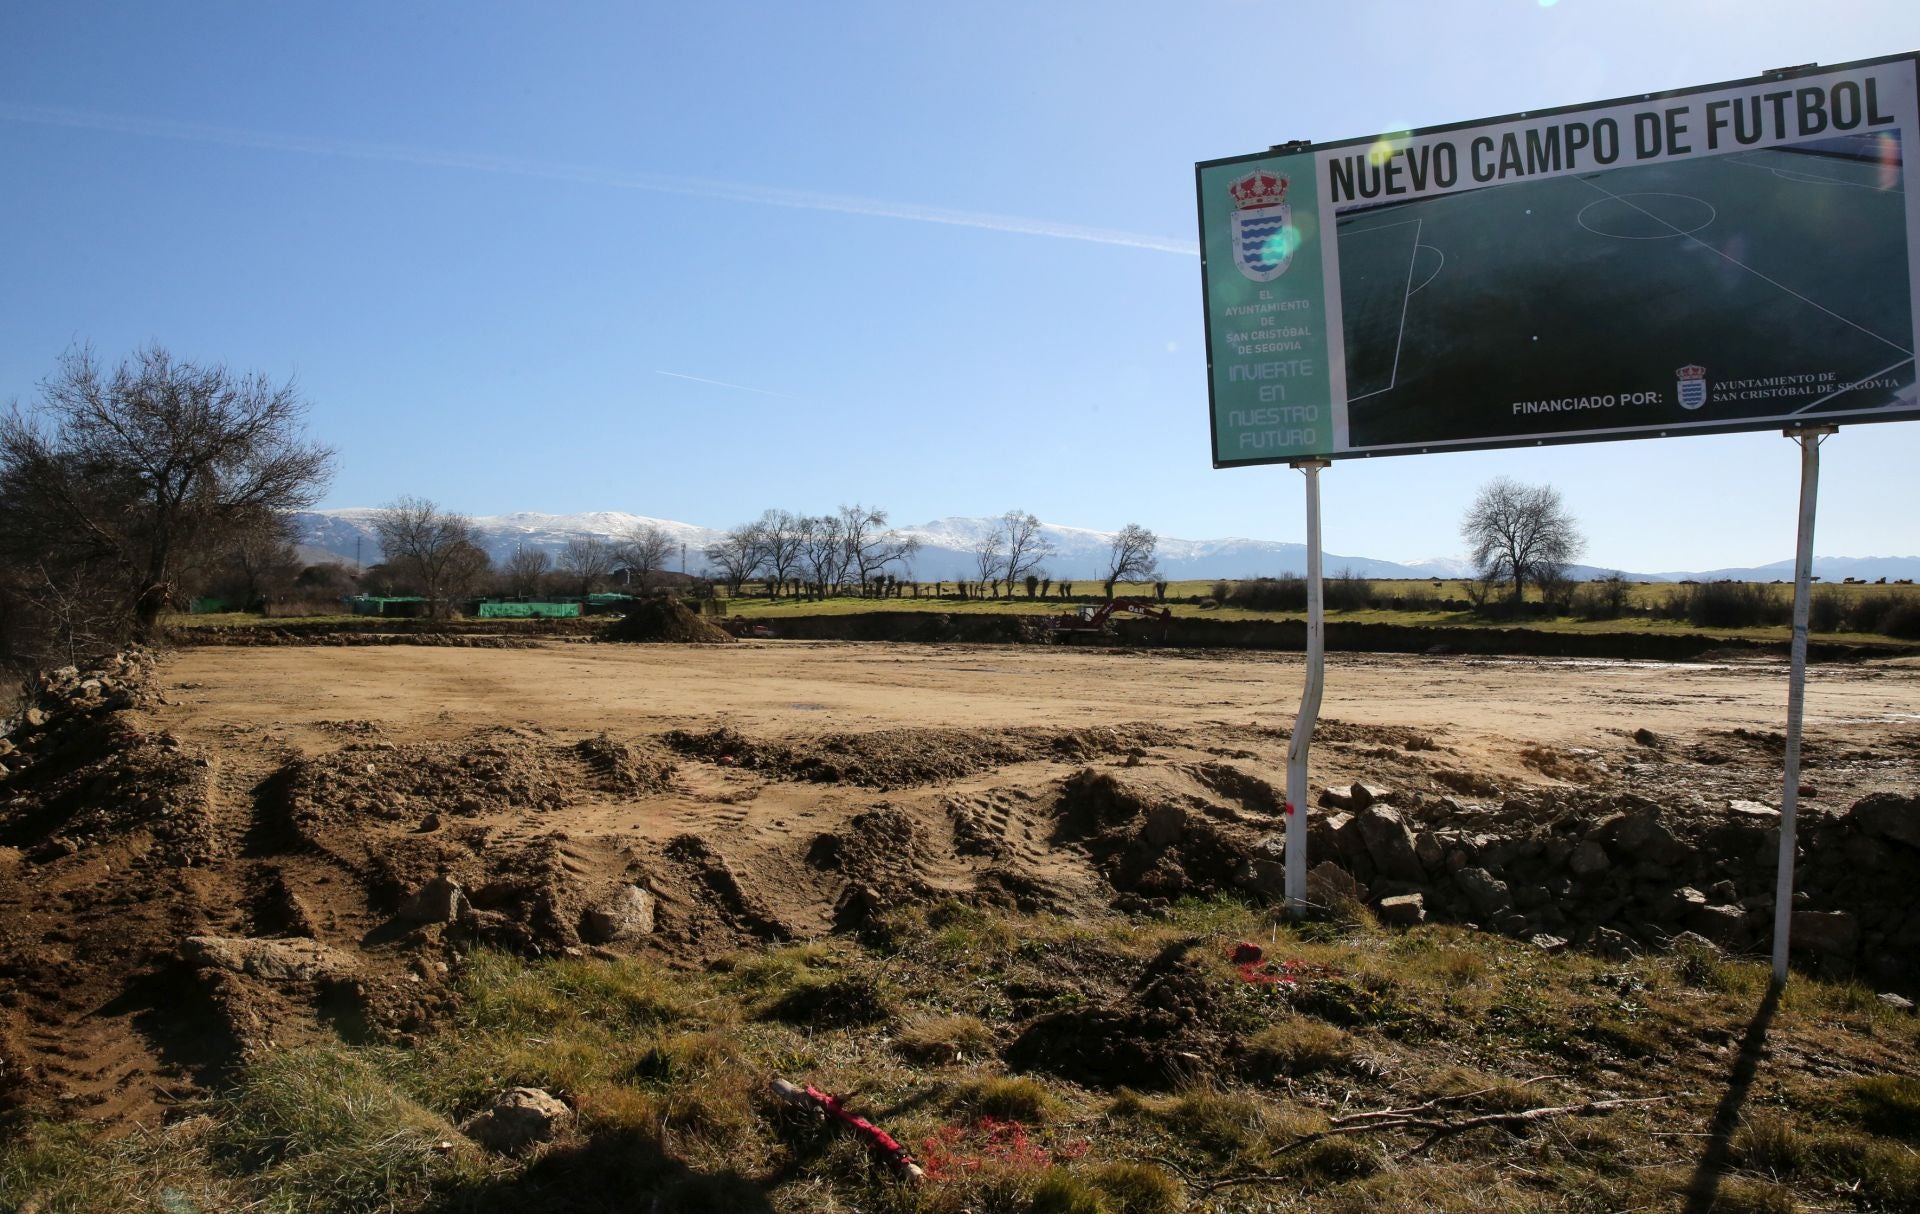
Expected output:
{"points": [[1487, 706]]}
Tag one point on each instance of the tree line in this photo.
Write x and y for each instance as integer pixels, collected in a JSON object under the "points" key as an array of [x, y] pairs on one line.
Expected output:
{"points": [[127, 490], [814, 555], [436, 554], [855, 551]]}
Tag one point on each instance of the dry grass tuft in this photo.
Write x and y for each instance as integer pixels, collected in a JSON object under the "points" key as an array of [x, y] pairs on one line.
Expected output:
{"points": [[944, 1040], [321, 1120], [1298, 1046], [1485, 1093], [1060, 1192], [1220, 1123], [1769, 1145], [1137, 1188], [1746, 1195], [1008, 1098]]}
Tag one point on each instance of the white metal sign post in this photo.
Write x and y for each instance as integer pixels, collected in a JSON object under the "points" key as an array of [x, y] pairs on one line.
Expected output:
{"points": [[1809, 440], [1302, 736]]}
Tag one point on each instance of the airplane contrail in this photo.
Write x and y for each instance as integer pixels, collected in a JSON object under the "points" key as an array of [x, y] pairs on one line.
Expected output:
{"points": [[659, 183], [721, 383]]}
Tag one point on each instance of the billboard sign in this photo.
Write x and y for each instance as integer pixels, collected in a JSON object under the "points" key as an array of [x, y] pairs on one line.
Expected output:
{"points": [[1739, 256]]}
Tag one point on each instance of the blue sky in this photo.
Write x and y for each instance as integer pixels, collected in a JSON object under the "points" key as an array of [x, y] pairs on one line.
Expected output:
{"points": [[692, 261]]}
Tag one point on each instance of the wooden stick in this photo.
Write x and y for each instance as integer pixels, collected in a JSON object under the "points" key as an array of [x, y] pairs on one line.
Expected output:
{"points": [[1403, 1119], [878, 1140]]}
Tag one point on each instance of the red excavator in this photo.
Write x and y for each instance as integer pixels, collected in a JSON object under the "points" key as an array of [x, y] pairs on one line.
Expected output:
{"points": [[1094, 621]]}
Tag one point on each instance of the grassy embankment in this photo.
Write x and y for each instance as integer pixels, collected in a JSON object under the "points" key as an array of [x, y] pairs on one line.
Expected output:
{"points": [[668, 1070], [251, 619], [1422, 603]]}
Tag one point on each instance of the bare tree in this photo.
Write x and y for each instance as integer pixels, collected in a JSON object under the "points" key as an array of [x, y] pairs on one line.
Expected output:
{"points": [[1026, 546], [870, 544], [586, 560], [144, 470], [466, 572], [1131, 558], [431, 547], [823, 552], [1520, 533], [526, 571], [780, 536], [645, 551], [989, 553], [738, 556]]}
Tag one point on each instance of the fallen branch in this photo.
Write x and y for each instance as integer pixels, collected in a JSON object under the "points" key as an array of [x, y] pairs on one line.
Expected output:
{"points": [[1411, 1118], [1447, 1129]]}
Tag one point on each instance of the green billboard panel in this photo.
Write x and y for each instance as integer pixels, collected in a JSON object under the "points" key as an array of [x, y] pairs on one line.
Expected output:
{"points": [[1735, 257], [1267, 308]]}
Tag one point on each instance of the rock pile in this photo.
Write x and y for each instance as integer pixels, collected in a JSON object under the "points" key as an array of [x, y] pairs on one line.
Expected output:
{"points": [[76, 772], [1610, 872], [1607, 871]]}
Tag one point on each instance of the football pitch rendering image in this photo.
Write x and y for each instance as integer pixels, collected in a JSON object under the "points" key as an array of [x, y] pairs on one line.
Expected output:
{"points": [[1684, 295]]}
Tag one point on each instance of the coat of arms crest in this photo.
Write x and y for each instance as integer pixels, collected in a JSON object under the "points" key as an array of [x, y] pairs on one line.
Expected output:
{"points": [[1263, 234]]}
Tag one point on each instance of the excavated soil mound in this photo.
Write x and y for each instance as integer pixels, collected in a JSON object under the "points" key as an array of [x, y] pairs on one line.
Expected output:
{"points": [[79, 774], [1169, 1028], [496, 771], [1153, 843], [664, 619], [88, 783], [102, 823], [718, 904], [908, 758]]}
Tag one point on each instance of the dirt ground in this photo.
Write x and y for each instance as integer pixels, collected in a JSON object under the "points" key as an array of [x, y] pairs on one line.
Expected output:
{"points": [[813, 687], [758, 791]]}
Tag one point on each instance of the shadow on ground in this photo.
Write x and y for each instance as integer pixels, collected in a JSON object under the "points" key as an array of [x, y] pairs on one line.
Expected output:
{"points": [[624, 1171], [1704, 1190]]}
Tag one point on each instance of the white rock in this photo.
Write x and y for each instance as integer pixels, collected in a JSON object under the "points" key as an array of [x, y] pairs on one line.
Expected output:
{"points": [[271, 960], [517, 1120], [440, 900], [627, 914]]}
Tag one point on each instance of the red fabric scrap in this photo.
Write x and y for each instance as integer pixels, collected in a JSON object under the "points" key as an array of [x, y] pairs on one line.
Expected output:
{"points": [[874, 1135]]}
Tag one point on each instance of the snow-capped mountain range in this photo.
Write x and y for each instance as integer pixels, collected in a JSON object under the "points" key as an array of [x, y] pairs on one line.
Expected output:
{"points": [[947, 546], [350, 534]]}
